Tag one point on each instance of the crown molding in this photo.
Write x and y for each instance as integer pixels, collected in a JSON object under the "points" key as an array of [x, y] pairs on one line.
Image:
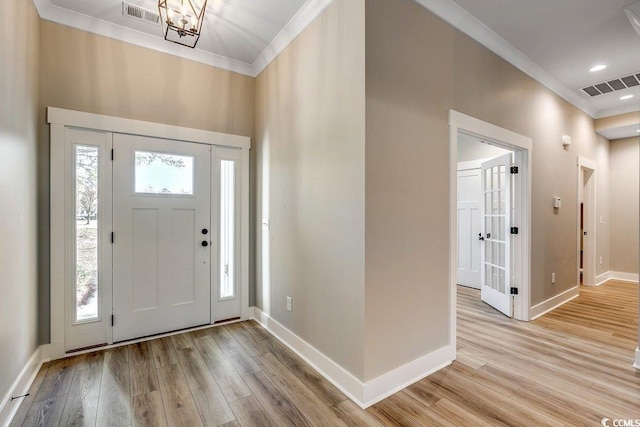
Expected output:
{"points": [[618, 110], [465, 22], [53, 13], [307, 13]]}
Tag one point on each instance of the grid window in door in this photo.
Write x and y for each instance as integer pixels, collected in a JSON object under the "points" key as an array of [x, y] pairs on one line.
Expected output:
{"points": [[227, 229], [86, 161]]}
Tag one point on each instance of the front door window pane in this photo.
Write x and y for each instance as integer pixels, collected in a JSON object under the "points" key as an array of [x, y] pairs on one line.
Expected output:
{"points": [[157, 173], [86, 230]]}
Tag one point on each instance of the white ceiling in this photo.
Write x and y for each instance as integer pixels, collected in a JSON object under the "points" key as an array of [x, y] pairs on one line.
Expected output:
{"points": [[237, 29], [555, 42], [567, 37]]}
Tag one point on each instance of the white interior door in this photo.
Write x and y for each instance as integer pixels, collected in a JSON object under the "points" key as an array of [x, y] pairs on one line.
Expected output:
{"points": [[162, 239], [469, 229], [496, 247]]}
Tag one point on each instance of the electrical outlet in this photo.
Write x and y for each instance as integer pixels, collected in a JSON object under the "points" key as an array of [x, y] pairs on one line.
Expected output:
{"points": [[600, 260], [553, 277], [289, 304]]}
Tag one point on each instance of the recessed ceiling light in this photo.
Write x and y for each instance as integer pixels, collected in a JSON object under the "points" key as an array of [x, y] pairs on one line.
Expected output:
{"points": [[626, 97], [598, 67]]}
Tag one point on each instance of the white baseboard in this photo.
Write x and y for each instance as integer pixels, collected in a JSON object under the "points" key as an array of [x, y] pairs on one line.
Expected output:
{"points": [[553, 303], [364, 394], [625, 277], [602, 278], [392, 382], [637, 364], [21, 385]]}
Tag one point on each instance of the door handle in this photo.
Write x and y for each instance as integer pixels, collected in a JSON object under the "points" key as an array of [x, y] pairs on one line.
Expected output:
{"points": [[205, 243], [480, 237], [584, 232], [488, 235]]}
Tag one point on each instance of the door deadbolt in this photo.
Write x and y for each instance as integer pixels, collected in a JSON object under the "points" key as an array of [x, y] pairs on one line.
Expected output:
{"points": [[480, 237], [205, 231], [205, 243]]}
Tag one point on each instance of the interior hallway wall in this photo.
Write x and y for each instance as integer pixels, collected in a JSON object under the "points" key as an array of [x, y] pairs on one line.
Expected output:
{"points": [[418, 67], [18, 207], [310, 140], [91, 73], [625, 178]]}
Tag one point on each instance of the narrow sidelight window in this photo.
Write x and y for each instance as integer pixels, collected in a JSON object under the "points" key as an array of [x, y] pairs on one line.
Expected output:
{"points": [[227, 229], [86, 232]]}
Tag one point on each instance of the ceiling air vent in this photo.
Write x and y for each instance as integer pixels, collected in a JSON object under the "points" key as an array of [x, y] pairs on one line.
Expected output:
{"points": [[139, 13], [613, 85]]}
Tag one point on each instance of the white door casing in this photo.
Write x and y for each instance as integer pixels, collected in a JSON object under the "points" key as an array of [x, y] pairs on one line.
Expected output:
{"points": [[469, 229], [161, 258], [92, 130], [496, 213], [587, 170]]}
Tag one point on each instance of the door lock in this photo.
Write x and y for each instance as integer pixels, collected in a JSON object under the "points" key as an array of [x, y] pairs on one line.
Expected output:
{"points": [[205, 231], [205, 243], [480, 237]]}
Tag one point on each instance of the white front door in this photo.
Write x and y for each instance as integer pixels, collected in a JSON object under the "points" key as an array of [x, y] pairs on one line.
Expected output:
{"points": [[496, 247], [162, 238], [469, 229]]}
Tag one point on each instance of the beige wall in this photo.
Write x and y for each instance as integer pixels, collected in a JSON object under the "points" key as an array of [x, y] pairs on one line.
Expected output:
{"points": [[18, 129], [413, 79], [86, 72], [625, 164], [310, 146]]}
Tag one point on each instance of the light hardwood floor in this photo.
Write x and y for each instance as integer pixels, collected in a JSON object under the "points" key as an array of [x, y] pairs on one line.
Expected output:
{"points": [[570, 367]]}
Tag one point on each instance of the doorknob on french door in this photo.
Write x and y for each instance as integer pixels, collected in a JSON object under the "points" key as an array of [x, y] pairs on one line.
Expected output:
{"points": [[480, 237], [205, 243]]}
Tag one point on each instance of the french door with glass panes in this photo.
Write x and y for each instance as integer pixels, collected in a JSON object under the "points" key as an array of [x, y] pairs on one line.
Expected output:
{"points": [[495, 251], [148, 235]]}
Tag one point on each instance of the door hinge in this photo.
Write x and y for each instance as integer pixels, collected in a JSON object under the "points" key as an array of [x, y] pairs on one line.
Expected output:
{"points": [[113, 237], [514, 230], [112, 151], [514, 291], [514, 170], [113, 320]]}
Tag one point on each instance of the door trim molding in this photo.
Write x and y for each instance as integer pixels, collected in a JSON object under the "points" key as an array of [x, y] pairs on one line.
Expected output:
{"points": [[61, 119], [79, 119], [523, 151], [589, 276]]}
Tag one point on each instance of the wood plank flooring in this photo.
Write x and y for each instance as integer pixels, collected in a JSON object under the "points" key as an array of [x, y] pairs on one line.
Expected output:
{"points": [[570, 367]]}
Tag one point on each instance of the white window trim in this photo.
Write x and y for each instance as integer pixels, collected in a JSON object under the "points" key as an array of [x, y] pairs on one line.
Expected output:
{"points": [[60, 120]]}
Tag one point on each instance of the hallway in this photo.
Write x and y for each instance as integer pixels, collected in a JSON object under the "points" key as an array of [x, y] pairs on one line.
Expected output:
{"points": [[570, 367]]}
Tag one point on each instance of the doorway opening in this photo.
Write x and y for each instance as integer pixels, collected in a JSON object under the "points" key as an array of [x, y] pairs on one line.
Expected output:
{"points": [[489, 210], [586, 219], [150, 229]]}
